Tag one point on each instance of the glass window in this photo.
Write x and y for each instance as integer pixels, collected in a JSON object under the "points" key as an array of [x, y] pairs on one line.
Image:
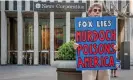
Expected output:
{"points": [[44, 37], [28, 34], [6, 5], [23, 5], [59, 30], [15, 5], [12, 40], [119, 5], [31, 5], [12, 34], [72, 32]]}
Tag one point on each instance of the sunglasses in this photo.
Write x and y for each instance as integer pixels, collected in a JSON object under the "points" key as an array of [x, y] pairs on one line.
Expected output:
{"points": [[95, 10]]}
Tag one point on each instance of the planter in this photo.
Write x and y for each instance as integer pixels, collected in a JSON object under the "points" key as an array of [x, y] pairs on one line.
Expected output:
{"points": [[65, 63], [68, 74], [66, 70]]}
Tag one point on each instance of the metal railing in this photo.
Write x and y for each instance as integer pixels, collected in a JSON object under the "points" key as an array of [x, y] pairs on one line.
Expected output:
{"points": [[12, 57], [28, 57], [44, 57]]}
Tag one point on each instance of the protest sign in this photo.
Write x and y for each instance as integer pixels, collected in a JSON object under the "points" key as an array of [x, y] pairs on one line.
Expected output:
{"points": [[96, 37]]}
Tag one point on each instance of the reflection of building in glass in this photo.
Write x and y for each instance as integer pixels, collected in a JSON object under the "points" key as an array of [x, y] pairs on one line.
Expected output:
{"points": [[45, 37], [58, 40], [59, 30], [28, 41], [72, 32], [28, 34]]}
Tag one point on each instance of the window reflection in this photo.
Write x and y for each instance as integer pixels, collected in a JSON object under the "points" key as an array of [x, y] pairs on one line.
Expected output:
{"points": [[72, 34], [12, 34], [58, 37], [12, 40], [44, 31], [28, 34], [72, 27], [44, 38], [59, 30]]}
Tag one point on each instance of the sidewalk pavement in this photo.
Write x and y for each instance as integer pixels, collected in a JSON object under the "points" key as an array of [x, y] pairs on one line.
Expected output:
{"points": [[45, 73]]}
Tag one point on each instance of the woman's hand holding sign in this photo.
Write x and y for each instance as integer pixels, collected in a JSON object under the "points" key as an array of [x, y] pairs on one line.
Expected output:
{"points": [[116, 47], [75, 45]]}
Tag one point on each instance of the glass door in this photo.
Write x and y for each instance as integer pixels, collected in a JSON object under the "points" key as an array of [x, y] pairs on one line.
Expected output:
{"points": [[28, 44], [44, 42], [59, 31], [12, 41]]}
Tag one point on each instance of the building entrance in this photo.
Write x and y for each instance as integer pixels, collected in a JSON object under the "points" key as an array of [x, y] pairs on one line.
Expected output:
{"points": [[28, 42], [44, 40], [44, 45], [12, 40]]}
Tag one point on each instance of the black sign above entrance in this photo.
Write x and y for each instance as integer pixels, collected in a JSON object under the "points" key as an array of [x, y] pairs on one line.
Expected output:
{"points": [[59, 7]]}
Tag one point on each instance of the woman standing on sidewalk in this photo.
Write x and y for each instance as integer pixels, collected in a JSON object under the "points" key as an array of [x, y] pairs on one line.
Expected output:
{"points": [[95, 10]]}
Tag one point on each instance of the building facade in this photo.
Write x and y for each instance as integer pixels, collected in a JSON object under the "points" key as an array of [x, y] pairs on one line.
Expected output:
{"points": [[32, 31]]}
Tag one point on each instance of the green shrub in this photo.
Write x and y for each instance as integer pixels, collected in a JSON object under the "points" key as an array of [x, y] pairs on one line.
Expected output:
{"points": [[66, 51]]}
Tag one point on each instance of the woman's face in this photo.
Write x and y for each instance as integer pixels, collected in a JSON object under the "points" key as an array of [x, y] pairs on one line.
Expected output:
{"points": [[96, 11]]}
